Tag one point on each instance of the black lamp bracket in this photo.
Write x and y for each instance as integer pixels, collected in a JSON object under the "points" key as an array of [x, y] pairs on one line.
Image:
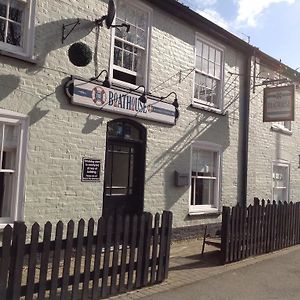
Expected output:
{"points": [[99, 22], [64, 27]]}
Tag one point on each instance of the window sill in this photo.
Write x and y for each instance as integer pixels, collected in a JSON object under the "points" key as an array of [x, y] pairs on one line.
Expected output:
{"points": [[18, 56], [209, 109], [213, 211], [281, 130]]}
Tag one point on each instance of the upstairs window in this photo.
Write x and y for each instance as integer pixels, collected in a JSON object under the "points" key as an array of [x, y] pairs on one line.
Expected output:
{"points": [[131, 49], [208, 74], [16, 26]]}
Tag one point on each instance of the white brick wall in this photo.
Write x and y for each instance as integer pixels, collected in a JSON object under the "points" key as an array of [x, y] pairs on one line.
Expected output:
{"points": [[267, 145], [61, 134]]}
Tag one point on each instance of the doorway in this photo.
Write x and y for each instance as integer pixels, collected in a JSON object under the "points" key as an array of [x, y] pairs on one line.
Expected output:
{"points": [[124, 174]]}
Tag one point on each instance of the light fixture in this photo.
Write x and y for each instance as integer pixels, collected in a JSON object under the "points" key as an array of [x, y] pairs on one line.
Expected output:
{"points": [[174, 103], [143, 97], [109, 18], [106, 82]]}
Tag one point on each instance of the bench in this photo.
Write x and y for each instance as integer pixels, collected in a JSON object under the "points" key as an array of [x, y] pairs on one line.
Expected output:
{"points": [[213, 241]]}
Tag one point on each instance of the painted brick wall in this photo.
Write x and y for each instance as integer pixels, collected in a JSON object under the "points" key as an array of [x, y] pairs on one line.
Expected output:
{"points": [[267, 145], [61, 134]]}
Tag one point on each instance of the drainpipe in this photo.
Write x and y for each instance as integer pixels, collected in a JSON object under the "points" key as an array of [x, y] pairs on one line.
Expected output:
{"points": [[245, 130]]}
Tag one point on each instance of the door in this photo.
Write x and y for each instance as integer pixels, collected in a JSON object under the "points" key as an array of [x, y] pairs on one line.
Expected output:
{"points": [[124, 168]]}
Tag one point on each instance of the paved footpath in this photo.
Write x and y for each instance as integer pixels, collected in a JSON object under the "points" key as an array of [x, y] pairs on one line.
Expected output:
{"points": [[270, 276]]}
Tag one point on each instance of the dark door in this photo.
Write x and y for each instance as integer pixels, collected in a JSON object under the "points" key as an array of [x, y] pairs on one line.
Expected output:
{"points": [[124, 168]]}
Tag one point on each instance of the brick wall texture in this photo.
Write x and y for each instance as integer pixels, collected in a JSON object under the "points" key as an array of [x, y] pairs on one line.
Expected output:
{"points": [[60, 134]]}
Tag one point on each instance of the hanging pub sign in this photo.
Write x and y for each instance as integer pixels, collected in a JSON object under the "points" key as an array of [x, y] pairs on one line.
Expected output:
{"points": [[279, 103], [90, 94], [90, 169]]}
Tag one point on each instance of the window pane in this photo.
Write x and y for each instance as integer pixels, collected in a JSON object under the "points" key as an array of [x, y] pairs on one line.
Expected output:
{"points": [[202, 191], [141, 38], [198, 63], [15, 13], [203, 162], [199, 48], [205, 51], [128, 60], [212, 54], [118, 57], [2, 30], [218, 57], [14, 34], [211, 69], [3, 8], [204, 65]]}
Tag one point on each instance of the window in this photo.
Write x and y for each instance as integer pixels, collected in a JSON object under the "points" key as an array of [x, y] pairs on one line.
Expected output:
{"points": [[208, 74], [205, 178], [282, 126], [16, 26], [281, 178], [13, 140], [131, 49]]}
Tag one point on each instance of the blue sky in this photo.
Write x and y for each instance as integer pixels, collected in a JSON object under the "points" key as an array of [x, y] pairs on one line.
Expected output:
{"points": [[272, 25]]}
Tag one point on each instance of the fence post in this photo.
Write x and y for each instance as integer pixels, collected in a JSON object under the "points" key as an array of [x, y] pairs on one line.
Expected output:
{"points": [[16, 264], [225, 234], [256, 201]]}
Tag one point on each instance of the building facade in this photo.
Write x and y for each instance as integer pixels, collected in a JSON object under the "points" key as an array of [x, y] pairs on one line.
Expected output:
{"points": [[73, 146]]}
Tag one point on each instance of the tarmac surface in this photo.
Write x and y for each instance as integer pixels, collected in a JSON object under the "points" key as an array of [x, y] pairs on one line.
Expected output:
{"points": [[191, 276]]}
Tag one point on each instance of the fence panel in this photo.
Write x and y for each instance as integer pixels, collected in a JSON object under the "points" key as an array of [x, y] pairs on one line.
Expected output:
{"points": [[259, 229], [125, 252]]}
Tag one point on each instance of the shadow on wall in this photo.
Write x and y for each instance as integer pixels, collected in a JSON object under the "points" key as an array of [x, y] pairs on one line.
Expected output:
{"points": [[8, 83], [48, 37], [208, 127]]}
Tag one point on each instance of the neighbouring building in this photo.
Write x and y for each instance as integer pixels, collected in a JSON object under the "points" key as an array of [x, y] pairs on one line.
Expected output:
{"points": [[72, 146]]}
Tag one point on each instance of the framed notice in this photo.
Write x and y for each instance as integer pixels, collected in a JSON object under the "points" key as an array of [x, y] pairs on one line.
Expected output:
{"points": [[90, 169], [279, 103]]}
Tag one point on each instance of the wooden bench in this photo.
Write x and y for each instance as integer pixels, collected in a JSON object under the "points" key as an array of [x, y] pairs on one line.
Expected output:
{"points": [[207, 240]]}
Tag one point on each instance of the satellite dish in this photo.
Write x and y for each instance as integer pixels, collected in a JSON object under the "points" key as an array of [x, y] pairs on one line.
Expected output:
{"points": [[111, 12]]}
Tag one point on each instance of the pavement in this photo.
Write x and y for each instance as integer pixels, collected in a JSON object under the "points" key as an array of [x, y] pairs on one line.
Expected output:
{"points": [[192, 276]]}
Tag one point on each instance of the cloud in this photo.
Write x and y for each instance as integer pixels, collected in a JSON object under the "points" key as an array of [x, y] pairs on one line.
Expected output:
{"points": [[250, 10], [215, 17]]}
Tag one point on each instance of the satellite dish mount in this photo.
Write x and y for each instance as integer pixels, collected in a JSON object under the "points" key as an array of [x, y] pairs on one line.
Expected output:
{"points": [[111, 12]]}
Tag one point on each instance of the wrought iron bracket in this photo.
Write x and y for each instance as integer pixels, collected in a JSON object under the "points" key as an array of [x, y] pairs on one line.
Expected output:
{"points": [[65, 34]]}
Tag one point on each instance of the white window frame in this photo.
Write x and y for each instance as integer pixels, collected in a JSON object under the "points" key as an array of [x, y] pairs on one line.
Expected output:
{"points": [[26, 50], [18, 199], [198, 103], [217, 149], [285, 164], [282, 126], [145, 82]]}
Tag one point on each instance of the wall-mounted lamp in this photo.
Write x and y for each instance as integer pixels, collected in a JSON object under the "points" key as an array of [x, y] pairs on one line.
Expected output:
{"points": [[106, 82], [143, 97], [175, 103]]}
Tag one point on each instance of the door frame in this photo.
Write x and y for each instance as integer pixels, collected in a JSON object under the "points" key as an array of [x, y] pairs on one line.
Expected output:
{"points": [[142, 165]]}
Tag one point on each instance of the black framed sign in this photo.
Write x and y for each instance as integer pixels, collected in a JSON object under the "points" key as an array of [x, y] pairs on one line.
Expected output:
{"points": [[90, 170], [279, 103]]}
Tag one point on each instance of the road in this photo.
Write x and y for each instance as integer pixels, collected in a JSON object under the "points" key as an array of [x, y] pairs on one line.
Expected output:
{"points": [[274, 278]]}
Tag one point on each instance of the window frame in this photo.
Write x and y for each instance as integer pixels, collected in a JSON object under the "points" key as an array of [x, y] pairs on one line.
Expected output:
{"points": [[18, 199], [146, 71], [285, 164], [282, 127], [217, 150], [28, 30], [197, 103]]}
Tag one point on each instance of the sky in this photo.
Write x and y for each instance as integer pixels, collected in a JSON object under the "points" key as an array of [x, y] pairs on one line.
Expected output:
{"points": [[271, 25]]}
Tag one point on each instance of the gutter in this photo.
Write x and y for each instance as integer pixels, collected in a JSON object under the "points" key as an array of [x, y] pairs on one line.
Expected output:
{"points": [[243, 173]]}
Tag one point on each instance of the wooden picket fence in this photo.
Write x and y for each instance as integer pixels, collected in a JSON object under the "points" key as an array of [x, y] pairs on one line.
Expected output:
{"points": [[258, 229], [111, 256]]}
